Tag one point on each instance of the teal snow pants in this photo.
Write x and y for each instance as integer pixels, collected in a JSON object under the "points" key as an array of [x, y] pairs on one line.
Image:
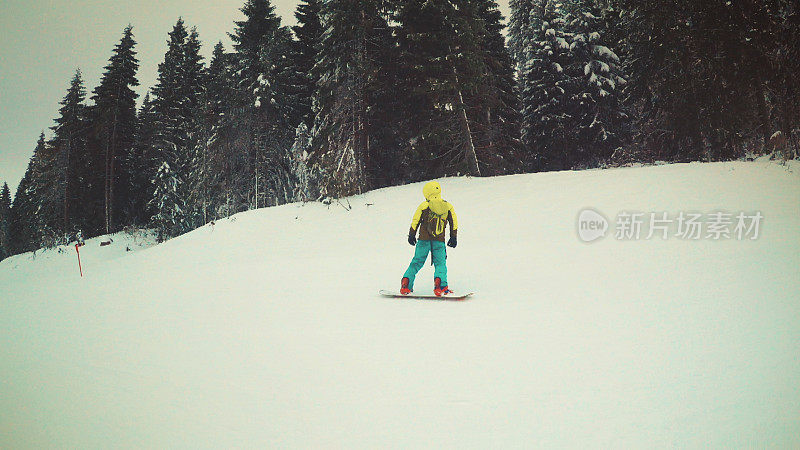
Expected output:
{"points": [[438, 255]]}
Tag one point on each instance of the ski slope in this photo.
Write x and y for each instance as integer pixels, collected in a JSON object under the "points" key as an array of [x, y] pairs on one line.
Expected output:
{"points": [[266, 330]]}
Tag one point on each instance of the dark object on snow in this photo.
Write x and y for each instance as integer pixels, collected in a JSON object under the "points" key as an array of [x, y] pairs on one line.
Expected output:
{"points": [[104, 243]]}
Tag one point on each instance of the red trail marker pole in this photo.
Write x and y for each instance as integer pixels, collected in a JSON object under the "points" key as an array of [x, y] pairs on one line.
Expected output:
{"points": [[79, 259]]}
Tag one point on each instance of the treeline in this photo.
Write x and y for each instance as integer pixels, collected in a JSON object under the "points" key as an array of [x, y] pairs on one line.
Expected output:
{"points": [[615, 81], [369, 93]]}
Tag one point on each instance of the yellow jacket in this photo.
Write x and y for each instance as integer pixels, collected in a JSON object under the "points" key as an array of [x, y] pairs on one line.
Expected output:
{"points": [[434, 214]]}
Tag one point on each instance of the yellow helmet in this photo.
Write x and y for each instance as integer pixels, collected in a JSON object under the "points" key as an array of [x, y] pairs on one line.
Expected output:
{"points": [[432, 189], [433, 194]]}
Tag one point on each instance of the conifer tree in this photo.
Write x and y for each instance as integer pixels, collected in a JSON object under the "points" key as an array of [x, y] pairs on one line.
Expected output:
{"points": [[598, 127], [701, 78], [251, 35], [143, 162], [547, 102], [219, 128], [308, 34], [442, 63], [304, 188], [5, 219], [73, 165], [167, 100], [169, 219], [49, 200], [265, 105], [21, 235], [192, 110], [47, 196], [494, 104], [25, 226], [219, 85], [519, 30], [115, 126], [352, 134], [177, 100]]}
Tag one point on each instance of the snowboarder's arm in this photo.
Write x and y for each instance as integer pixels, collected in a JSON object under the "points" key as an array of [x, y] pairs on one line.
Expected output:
{"points": [[453, 220]]}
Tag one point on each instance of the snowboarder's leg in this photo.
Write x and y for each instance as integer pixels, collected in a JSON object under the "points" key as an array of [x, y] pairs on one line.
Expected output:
{"points": [[439, 258], [420, 256]]}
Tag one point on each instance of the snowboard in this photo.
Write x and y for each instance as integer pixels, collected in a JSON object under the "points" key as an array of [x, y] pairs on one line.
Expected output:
{"points": [[450, 297]]}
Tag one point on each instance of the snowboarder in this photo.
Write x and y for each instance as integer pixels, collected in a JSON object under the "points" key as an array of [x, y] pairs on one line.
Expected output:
{"points": [[431, 219]]}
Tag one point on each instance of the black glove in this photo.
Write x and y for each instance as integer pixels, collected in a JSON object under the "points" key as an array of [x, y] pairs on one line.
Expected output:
{"points": [[412, 238], [452, 242]]}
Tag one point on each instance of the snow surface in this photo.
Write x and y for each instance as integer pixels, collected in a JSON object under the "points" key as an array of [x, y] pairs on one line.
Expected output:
{"points": [[267, 330], [63, 260]]}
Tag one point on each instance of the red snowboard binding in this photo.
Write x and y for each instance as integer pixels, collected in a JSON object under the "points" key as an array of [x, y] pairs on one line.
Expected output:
{"points": [[438, 289], [404, 286]]}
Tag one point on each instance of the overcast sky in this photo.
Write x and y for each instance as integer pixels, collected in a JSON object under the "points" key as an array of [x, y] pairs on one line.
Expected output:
{"points": [[42, 43]]}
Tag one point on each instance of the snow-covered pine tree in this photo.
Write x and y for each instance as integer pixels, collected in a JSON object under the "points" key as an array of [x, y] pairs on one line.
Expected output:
{"points": [[304, 187], [167, 94], [170, 141], [219, 85], [193, 156], [20, 223], [599, 122], [25, 226], [545, 99], [284, 97], [206, 175], [260, 25], [494, 104], [176, 106], [701, 79], [219, 123], [73, 164], [352, 104], [265, 105], [308, 34], [519, 31], [663, 87], [115, 126], [143, 166], [748, 54], [48, 196], [5, 219], [169, 219], [441, 63]]}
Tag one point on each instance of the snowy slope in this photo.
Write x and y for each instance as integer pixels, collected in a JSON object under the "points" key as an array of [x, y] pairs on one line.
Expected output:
{"points": [[266, 330], [62, 261]]}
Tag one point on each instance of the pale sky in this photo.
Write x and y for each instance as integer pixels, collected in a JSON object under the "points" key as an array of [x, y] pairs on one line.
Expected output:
{"points": [[43, 42]]}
